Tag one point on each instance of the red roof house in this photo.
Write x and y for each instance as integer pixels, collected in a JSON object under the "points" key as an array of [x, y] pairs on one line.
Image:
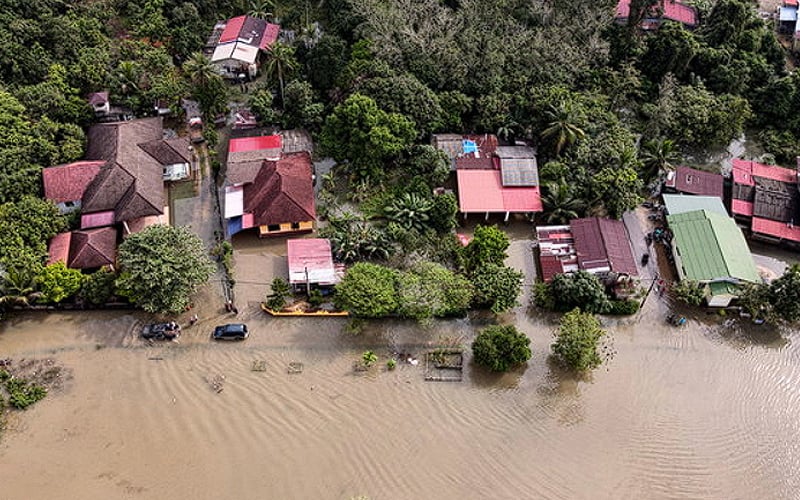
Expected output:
{"points": [[692, 181], [767, 196], [603, 245], [672, 10], [310, 262], [592, 244], [66, 184], [281, 197], [482, 191], [235, 45], [85, 249]]}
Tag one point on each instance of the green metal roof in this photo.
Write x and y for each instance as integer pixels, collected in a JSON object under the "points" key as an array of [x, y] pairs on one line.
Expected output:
{"points": [[712, 247], [678, 204]]}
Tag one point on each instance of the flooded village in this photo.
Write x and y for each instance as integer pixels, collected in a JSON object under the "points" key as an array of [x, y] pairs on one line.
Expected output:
{"points": [[696, 388]]}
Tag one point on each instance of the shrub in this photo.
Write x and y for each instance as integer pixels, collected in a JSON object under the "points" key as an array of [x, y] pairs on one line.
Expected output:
{"points": [[280, 291], [623, 307], [98, 287], [497, 287], [501, 348], [22, 394]]}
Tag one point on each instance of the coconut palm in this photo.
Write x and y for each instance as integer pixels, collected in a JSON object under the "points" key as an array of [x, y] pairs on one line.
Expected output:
{"points": [[129, 77], [562, 129], [200, 69], [560, 203], [281, 62], [658, 155], [261, 9]]}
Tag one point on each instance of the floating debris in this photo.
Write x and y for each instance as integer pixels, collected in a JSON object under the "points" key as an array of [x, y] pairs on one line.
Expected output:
{"points": [[295, 367], [259, 365], [216, 382]]}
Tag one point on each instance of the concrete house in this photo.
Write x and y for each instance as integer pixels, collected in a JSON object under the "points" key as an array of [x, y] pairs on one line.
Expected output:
{"points": [[235, 45]]}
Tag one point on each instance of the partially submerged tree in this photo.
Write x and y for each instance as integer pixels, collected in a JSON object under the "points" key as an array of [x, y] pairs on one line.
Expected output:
{"points": [[161, 267], [488, 246], [501, 347], [578, 341]]}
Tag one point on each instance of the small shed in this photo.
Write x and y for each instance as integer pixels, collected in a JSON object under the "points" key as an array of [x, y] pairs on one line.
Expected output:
{"points": [[310, 263]]}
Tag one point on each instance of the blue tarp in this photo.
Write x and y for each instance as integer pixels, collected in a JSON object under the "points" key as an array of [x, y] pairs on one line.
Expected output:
{"points": [[788, 14], [469, 146], [234, 225]]}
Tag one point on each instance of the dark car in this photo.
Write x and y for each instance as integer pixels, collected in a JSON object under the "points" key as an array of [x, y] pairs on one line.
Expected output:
{"points": [[161, 331], [232, 331]]}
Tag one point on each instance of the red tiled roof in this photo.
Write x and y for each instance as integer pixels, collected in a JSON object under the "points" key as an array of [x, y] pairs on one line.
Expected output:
{"points": [[69, 182], [690, 180], [310, 258], [243, 144], [673, 10], [551, 265], [270, 35], [282, 192], [58, 250], [744, 171], [776, 229], [232, 29], [482, 191], [603, 243], [741, 207], [93, 248]]}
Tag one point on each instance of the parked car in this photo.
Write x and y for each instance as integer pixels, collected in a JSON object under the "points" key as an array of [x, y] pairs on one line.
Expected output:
{"points": [[161, 331], [232, 331]]}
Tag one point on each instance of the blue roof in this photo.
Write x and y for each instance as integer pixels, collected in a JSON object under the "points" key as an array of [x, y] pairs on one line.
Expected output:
{"points": [[469, 146]]}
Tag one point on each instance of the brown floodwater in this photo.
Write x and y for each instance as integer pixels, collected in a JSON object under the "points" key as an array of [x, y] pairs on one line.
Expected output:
{"points": [[705, 411]]}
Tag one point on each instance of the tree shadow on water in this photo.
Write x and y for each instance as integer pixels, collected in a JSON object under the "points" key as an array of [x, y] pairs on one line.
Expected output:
{"points": [[560, 394], [741, 333]]}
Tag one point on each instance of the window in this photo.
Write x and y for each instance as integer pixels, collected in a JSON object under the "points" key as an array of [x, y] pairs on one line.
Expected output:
{"points": [[273, 227], [295, 225]]}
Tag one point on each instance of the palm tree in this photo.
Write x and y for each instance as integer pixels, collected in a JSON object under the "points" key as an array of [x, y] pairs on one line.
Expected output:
{"points": [[562, 129], [281, 63], [129, 77], [560, 203], [261, 9], [658, 155], [200, 69]]}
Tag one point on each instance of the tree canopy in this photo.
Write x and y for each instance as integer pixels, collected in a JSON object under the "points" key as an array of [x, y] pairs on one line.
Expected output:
{"points": [[577, 341], [501, 347], [161, 267]]}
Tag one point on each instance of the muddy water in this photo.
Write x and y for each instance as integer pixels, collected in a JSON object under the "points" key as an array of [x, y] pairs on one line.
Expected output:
{"points": [[707, 411], [703, 412]]}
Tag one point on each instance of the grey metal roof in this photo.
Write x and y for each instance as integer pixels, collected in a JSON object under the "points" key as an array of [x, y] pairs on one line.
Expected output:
{"points": [[519, 171]]}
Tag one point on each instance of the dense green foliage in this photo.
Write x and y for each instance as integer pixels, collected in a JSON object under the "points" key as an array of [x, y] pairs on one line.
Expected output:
{"points": [[497, 287], [99, 287], [488, 246], [501, 347], [777, 301], [161, 267], [690, 292], [57, 282], [581, 289], [368, 291], [577, 341]]}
